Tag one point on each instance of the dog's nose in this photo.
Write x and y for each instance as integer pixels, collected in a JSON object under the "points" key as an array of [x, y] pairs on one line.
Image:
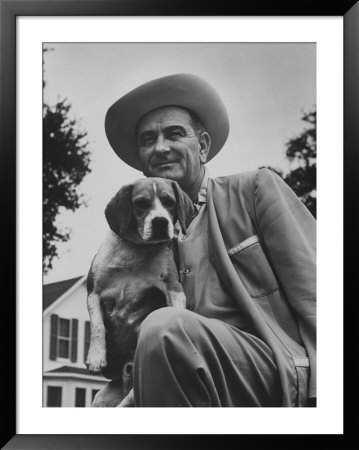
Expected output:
{"points": [[160, 227]]}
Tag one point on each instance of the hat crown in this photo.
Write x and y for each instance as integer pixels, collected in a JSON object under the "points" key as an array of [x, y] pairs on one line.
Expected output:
{"points": [[186, 90]]}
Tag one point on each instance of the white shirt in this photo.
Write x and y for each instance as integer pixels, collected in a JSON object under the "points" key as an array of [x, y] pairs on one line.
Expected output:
{"points": [[205, 293]]}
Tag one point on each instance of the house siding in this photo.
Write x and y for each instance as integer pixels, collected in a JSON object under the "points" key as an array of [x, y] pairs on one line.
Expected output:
{"points": [[71, 305], [69, 386]]}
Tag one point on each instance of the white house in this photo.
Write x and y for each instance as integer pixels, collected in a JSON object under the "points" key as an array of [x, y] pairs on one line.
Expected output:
{"points": [[66, 337]]}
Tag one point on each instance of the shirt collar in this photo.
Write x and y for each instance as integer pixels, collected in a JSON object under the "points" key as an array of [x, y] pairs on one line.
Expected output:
{"points": [[202, 194]]}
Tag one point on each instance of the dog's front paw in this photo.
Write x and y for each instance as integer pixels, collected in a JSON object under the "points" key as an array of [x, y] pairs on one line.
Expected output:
{"points": [[177, 299], [96, 361]]}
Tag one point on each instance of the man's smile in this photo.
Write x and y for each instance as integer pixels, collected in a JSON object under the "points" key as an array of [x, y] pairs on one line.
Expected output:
{"points": [[164, 164]]}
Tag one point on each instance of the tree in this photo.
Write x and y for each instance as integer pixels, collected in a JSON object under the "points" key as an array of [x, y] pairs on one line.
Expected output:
{"points": [[302, 151], [65, 163]]}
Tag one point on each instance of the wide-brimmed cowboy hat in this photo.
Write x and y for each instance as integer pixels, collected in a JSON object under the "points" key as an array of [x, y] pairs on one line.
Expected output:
{"points": [[185, 90]]}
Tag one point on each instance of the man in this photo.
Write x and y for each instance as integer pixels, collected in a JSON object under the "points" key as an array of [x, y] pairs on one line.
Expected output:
{"points": [[247, 262]]}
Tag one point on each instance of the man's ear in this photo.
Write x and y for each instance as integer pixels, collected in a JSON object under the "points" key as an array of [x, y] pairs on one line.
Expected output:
{"points": [[184, 207], [204, 141], [118, 212]]}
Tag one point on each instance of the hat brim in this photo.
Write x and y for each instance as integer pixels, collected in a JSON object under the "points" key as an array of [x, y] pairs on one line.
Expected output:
{"points": [[185, 90]]}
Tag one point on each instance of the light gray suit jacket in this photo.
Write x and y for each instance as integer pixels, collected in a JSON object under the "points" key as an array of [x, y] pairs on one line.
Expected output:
{"points": [[262, 242]]}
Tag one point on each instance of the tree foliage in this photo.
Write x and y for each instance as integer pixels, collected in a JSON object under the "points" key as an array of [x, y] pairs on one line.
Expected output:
{"points": [[65, 163], [301, 152]]}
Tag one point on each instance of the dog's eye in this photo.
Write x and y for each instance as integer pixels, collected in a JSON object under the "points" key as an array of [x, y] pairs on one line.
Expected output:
{"points": [[168, 202], [142, 203]]}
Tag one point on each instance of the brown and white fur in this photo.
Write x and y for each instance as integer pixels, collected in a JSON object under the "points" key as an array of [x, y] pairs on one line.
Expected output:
{"points": [[134, 264]]}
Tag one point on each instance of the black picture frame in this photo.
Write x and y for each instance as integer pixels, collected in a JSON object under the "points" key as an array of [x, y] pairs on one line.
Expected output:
{"points": [[10, 10]]}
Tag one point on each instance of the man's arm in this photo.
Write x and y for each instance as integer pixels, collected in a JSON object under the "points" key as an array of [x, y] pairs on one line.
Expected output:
{"points": [[288, 232]]}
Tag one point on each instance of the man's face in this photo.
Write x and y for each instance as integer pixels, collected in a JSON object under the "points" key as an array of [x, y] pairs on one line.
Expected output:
{"points": [[168, 146]]}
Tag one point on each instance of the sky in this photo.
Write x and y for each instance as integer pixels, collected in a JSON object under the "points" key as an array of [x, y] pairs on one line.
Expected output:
{"points": [[265, 87]]}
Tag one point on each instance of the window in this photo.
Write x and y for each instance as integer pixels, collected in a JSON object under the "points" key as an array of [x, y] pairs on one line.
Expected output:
{"points": [[63, 341], [94, 392], [63, 338], [80, 397], [54, 395]]}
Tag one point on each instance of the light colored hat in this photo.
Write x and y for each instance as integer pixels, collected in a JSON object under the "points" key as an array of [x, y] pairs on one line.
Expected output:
{"points": [[185, 90]]}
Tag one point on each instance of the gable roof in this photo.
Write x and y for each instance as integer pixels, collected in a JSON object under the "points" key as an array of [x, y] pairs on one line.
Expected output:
{"points": [[69, 369], [52, 291], [74, 372]]}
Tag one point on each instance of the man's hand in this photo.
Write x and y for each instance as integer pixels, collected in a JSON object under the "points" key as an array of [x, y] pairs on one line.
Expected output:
{"points": [[128, 401], [125, 320]]}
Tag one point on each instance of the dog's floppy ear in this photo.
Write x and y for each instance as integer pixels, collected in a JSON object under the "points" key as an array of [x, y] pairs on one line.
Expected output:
{"points": [[118, 212], [184, 207]]}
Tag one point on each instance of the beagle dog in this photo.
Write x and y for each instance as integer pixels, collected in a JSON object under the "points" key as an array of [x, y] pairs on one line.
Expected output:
{"points": [[134, 269]]}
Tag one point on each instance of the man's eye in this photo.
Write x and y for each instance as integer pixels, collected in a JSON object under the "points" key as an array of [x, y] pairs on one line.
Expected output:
{"points": [[175, 134], [147, 141]]}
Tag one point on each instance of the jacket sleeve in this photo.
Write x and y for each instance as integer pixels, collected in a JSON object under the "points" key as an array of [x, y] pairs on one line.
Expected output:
{"points": [[288, 233]]}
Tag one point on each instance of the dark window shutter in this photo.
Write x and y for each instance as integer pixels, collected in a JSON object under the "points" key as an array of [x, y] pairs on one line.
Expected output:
{"points": [[53, 336], [75, 324], [54, 396], [87, 339], [80, 397]]}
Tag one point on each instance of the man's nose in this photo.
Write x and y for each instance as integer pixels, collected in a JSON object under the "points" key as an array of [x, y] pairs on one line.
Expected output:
{"points": [[162, 145]]}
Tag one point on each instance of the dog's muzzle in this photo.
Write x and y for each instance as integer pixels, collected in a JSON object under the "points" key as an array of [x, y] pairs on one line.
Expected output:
{"points": [[160, 228]]}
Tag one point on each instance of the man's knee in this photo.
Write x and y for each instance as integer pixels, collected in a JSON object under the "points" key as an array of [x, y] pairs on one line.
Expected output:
{"points": [[168, 325]]}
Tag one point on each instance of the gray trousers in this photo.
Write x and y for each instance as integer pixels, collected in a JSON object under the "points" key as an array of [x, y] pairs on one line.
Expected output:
{"points": [[184, 359]]}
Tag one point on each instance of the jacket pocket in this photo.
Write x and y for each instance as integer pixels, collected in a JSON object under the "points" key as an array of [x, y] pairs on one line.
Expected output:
{"points": [[253, 267], [302, 371]]}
